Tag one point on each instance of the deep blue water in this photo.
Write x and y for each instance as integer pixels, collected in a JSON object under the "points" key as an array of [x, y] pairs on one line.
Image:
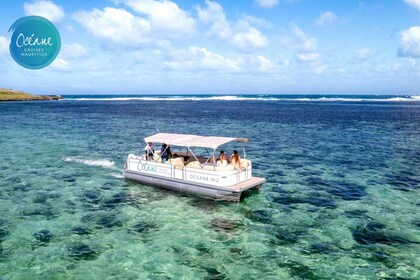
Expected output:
{"points": [[341, 198]]}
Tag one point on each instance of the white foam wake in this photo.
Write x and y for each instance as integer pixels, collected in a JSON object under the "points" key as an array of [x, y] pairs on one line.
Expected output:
{"points": [[91, 162], [117, 175]]}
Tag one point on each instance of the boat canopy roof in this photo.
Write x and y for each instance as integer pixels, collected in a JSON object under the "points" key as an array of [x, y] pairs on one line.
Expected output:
{"points": [[187, 140]]}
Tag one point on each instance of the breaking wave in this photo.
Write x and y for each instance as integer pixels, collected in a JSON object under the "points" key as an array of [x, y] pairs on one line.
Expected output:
{"points": [[183, 98], [254, 98]]}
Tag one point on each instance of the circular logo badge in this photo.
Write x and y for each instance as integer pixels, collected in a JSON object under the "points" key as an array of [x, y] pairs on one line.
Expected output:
{"points": [[35, 42]]}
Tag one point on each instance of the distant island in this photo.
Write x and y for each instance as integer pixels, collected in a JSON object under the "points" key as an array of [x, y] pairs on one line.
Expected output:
{"points": [[13, 95]]}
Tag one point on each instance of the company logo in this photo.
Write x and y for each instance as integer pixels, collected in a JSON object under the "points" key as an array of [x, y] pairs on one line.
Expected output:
{"points": [[143, 166], [197, 177], [35, 42]]}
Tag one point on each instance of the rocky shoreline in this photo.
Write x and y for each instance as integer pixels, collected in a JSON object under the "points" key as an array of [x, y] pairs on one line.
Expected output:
{"points": [[13, 95]]}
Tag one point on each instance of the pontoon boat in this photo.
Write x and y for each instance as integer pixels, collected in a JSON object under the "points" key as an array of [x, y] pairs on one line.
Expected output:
{"points": [[191, 172]]}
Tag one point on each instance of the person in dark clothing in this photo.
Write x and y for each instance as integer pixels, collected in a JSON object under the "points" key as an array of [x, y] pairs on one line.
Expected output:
{"points": [[165, 152]]}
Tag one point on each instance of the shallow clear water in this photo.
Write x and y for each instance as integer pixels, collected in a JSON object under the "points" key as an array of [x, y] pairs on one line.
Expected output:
{"points": [[341, 198]]}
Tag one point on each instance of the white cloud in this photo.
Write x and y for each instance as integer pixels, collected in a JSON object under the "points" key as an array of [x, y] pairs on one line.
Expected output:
{"points": [[304, 42], [60, 64], [364, 54], [73, 51], [412, 62], [257, 63], [300, 41], [325, 18], [257, 21], [44, 8], [4, 45], [306, 57], [241, 34], [320, 69], [413, 3], [151, 22], [202, 59], [250, 37], [164, 16], [115, 26], [213, 14], [304, 46], [267, 3], [196, 58], [410, 42]]}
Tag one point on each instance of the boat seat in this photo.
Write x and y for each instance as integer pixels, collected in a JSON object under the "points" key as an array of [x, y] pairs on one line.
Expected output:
{"points": [[191, 159], [156, 156], [209, 167], [245, 162], [227, 168], [222, 163], [178, 163], [194, 164]]}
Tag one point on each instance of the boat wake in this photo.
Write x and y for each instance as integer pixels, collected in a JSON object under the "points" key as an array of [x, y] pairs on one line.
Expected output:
{"points": [[117, 175], [92, 162]]}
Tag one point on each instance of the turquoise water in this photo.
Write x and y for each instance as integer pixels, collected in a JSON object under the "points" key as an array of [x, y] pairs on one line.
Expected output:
{"points": [[341, 198]]}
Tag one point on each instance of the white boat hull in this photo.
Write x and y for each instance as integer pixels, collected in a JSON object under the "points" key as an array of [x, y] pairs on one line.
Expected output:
{"points": [[231, 193]]}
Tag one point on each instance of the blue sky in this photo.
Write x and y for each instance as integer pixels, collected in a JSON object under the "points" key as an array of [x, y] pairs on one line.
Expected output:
{"points": [[222, 47]]}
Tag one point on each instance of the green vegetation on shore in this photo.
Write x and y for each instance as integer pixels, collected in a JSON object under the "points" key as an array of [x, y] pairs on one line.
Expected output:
{"points": [[13, 95]]}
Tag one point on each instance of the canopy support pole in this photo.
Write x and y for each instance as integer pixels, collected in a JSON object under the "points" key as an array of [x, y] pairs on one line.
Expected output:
{"points": [[209, 159], [212, 155], [193, 155]]}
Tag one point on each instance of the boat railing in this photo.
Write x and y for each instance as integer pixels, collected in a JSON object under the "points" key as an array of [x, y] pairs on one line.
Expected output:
{"points": [[241, 174], [189, 173]]}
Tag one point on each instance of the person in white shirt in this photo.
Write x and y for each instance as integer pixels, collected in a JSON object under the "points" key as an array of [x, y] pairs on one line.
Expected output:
{"points": [[149, 150]]}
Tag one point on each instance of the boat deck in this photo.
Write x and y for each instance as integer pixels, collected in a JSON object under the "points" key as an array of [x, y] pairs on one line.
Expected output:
{"points": [[248, 184]]}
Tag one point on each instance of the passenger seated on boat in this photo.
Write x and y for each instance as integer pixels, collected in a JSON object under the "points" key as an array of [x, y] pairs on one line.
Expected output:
{"points": [[149, 150], [165, 152], [222, 156], [235, 159]]}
